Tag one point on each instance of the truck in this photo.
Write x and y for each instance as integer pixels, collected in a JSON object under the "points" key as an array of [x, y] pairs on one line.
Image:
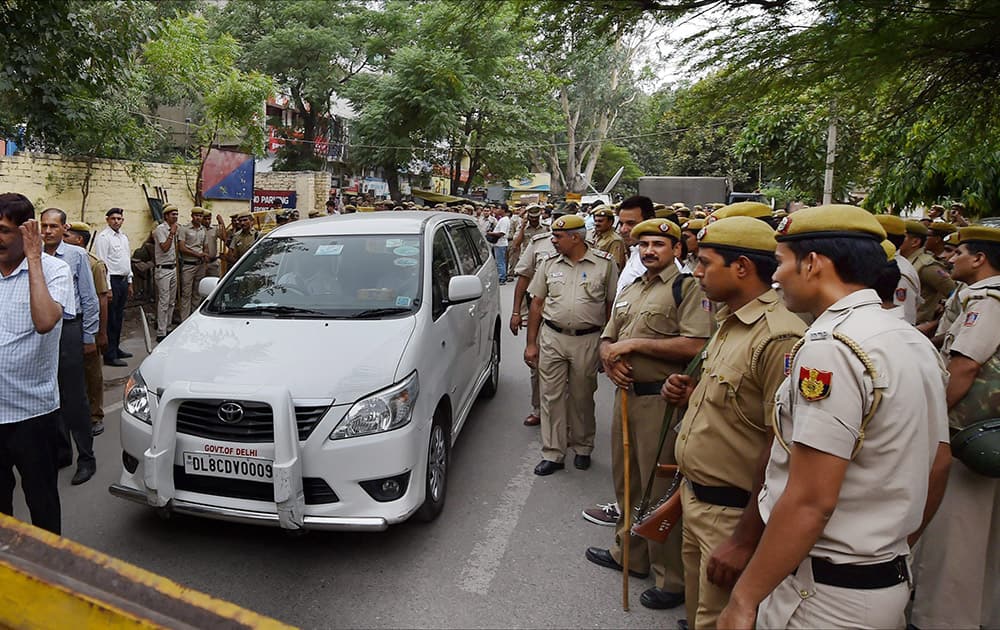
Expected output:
{"points": [[694, 190]]}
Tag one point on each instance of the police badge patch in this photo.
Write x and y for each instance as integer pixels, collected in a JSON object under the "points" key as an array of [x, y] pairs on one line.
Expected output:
{"points": [[788, 363], [814, 384], [901, 294], [971, 318]]}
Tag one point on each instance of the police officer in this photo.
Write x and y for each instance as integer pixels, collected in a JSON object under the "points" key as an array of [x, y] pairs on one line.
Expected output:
{"points": [[191, 241], [858, 426], [957, 584], [936, 232], [243, 238], [650, 336], [689, 232], [606, 238], [165, 259], [726, 432], [572, 293], [907, 294], [935, 281], [536, 245]]}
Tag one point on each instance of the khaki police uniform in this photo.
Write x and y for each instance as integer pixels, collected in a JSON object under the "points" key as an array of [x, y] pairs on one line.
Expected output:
{"points": [[957, 571], [575, 298], [612, 243], [92, 370], [536, 251], [725, 429], [935, 283], [166, 277], [869, 388], [193, 270], [646, 309], [240, 242], [214, 265]]}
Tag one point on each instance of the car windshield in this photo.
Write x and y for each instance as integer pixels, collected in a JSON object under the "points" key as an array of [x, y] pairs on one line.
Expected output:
{"points": [[342, 277]]}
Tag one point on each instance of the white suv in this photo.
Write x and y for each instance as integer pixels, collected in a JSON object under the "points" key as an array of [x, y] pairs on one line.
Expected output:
{"points": [[324, 380]]}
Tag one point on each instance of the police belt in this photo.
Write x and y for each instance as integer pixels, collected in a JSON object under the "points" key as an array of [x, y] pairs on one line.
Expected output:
{"points": [[726, 496], [575, 333], [647, 389], [191, 262], [860, 576], [165, 266]]}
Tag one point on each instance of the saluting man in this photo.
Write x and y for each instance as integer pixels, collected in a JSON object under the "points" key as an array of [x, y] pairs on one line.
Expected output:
{"points": [[859, 425], [572, 293], [606, 238]]}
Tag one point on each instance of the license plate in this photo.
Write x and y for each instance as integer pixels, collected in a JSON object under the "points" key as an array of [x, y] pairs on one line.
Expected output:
{"points": [[212, 465]]}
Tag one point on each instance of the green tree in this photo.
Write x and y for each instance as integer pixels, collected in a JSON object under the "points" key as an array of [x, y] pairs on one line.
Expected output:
{"points": [[612, 158]]}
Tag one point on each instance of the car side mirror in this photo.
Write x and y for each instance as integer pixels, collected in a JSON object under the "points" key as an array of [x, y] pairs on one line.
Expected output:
{"points": [[464, 289], [207, 285]]}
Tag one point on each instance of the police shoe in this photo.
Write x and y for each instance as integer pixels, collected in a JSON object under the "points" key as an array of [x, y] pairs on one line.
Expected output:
{"points": [[124, 355], [97, 428], [581, 462], [160, 338], [660, 599], [604, 558], [545, 467], [115, 363], [532, 421], [84, 471]]}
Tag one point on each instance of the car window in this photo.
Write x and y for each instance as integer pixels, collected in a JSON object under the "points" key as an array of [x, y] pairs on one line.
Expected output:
{"points": [[468, 257], [477, 239], [349, 276], [444, 267]]}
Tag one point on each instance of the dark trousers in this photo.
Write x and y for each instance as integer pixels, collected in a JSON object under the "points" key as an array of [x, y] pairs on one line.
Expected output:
{"points": [[116, 315], [74, 408], [30, 446]]}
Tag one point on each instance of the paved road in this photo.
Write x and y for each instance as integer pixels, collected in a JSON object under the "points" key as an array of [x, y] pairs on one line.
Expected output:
{"points": [[506, 552]]}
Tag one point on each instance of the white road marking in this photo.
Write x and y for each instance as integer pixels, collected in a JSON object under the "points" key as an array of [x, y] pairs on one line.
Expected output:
{"points": [[489, 551], [113, 407]]}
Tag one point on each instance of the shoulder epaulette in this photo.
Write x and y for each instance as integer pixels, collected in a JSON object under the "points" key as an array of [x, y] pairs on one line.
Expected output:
{"points": [[602, 254], [540, 236]]}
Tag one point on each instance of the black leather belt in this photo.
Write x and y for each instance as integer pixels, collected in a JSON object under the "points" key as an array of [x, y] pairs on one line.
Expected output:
{"points": [[191, 262], [726, 496], [575, 333], [165, 266], [647, 389], [860, 576], [115, 275]]}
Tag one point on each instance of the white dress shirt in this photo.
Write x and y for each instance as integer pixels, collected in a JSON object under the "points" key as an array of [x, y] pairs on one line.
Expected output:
{"points": [[113, 249]]}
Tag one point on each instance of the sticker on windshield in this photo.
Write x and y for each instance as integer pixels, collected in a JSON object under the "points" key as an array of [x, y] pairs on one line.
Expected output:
{"points": [[406, 250], [402, 301], [393, 242], [405, 262], [329, 250]]}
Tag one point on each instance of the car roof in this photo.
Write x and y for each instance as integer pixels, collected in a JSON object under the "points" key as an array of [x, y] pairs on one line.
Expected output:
{"points": [[385, 222]]}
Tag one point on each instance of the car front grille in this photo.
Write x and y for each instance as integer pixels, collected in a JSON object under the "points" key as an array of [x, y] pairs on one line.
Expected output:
{"points": [[201, 418], [316, 490]]}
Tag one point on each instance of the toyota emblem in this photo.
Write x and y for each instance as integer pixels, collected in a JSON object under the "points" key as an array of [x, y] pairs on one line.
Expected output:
{"points": [[230, 412]]}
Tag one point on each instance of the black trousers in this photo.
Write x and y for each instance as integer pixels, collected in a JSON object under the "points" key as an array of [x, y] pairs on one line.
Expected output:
{"points": [[74, 408], [116, 315], [30, 446]]}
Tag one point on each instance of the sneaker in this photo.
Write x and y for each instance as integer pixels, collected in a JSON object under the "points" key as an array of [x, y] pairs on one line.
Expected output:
{"points": [[606, 514], [97, 428]]}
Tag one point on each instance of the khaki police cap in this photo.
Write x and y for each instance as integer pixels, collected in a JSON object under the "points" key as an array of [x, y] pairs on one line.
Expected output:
{"points": [[351, 207], [940, 228], [832, 221], [752, 209], [915, 227], [889, 249], [314, 214], [169, 208], [659, 206], [738, 233], [197, 210], [568, 222], [603, 211], [957, 204], [698, 207], [244, 215], [937, 206], [780, 214], [677, 204], [951, 239], [693, 225], [78, 226], [892, 224], [657, 227], [664, 213], [979, 233], [534, 210], [698, 214]]}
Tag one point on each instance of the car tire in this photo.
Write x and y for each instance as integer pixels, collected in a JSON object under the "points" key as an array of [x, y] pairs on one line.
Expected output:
{"points": [[436, 472], [492, 384]]}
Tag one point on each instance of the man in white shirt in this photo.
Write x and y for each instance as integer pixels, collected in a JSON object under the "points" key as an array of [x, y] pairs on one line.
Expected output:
{"points": [[112, 247], [499, 232]]}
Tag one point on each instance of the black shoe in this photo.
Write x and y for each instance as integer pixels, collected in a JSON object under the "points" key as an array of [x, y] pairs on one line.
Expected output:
{"points": [[97, 428], [682, 624], [661, 600], [604, 558], [125, 355], [545, 467], [84, 471], [115, 363], [160, 338], [582, 462]]}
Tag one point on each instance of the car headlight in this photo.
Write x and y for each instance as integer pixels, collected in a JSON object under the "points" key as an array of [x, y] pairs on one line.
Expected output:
{"points": [[382, 411], [136, 399]]}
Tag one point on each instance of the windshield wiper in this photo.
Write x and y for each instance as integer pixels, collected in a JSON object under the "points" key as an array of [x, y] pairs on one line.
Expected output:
{"points": [[373, 312], [269, 308]]}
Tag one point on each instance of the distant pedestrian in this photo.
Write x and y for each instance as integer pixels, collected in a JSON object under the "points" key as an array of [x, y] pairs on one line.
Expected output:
{"points": [[35, 291], [112, 247]]}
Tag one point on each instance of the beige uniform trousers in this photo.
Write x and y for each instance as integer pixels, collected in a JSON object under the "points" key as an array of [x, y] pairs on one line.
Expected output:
{"points": [[957, 567], [645, 418], [166, 299], [191, 275], [706, 526], [567, 364], [94, 376], [799, 602]]}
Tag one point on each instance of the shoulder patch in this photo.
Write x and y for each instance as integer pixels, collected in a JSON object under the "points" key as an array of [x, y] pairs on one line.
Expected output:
{"points": [[602, 254], [814, 384], [788, 363], [901, 294], [943, 273], [540, 236], [706, 305], [971, 318]]}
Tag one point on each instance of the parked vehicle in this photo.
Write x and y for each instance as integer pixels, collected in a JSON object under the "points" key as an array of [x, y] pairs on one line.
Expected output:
{"points": [[325, 379], [691, 190]]}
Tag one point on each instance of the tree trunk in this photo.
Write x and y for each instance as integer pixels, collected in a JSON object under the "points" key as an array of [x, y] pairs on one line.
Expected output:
{"points": [[392, 178]]}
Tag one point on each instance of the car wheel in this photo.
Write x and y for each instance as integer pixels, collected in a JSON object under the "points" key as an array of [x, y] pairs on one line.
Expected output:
{"points": [[489, 389], [436, 475]]}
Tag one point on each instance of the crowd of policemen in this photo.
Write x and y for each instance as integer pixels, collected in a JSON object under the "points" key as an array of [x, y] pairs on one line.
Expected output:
{"points": [[825, 381]]}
